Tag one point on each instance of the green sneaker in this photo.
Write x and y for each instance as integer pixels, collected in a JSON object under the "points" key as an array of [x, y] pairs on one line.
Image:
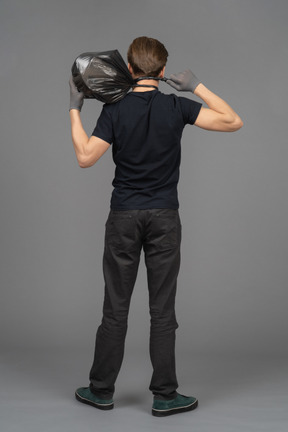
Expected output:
{"points": [[84, 395], [163, 408]]}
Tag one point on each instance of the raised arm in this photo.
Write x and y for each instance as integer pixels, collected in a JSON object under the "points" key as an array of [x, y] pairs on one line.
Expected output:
{"points": [[87, 150], [219, 116]]}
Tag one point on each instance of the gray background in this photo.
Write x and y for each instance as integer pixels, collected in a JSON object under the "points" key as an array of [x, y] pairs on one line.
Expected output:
{"points": [[232, 290]]}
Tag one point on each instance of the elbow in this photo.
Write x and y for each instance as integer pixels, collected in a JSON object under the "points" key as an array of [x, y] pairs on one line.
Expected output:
{"points": [[235, 124], [83, 166], [238, 123], [83, 162]]}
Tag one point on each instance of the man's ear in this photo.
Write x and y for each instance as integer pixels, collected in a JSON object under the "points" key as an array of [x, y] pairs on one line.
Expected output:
{"points": [[161, 75], [130, 69]]}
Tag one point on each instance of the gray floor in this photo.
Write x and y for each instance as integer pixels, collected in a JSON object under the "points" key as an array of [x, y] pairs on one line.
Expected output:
{"points": [[235, 394]]}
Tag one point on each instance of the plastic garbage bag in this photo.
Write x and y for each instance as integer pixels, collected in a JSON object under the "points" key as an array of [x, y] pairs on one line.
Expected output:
{"points": [[103, 76]]}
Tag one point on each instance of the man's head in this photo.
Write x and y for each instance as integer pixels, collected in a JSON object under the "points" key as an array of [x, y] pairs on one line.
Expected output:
{"points": [[147, 57]]}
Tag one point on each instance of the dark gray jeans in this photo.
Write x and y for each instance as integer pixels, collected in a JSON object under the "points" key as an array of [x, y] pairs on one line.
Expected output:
{"points": [[158, 231]]}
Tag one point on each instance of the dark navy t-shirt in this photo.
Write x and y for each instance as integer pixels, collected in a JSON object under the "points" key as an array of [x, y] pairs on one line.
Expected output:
{"points": [[145, 129]]}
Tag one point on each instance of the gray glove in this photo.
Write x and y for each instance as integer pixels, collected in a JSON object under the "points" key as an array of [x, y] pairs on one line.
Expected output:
{"points": [[76, 97], [184, 81]]}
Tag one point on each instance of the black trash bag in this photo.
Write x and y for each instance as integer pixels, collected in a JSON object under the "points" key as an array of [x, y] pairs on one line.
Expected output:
{"points": [[103, 76]]}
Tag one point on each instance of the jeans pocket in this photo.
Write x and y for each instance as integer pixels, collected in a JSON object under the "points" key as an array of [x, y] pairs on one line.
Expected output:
{"points": [[120, 231], [166, 229]]}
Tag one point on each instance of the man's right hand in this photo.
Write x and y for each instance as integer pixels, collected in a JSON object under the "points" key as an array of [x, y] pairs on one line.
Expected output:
{"points": [[184, 81], [76, 97]]}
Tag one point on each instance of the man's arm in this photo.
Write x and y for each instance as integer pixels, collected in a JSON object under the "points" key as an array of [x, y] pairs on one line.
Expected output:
{"points": [[88, 150], [219, 116]]}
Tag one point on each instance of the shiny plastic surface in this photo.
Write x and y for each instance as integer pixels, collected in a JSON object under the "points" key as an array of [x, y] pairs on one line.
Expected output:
{"points": [[103, 76]]}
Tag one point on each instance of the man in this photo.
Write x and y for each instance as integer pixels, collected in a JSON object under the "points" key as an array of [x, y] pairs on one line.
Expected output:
{"points": [[145, 128]]}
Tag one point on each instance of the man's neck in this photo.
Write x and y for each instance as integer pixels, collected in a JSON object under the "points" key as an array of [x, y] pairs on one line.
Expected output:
{"points": [[149, 83]]}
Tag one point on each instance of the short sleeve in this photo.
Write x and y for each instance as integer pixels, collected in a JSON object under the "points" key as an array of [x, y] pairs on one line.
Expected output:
{"points": [[104, 127], [190, 110]]}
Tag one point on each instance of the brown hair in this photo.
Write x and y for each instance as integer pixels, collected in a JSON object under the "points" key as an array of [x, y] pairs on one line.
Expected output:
{"points": [[147, 56]]}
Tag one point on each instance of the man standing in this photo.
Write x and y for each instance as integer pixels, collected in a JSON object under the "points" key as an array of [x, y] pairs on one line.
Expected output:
{"points": [[145, 130]]}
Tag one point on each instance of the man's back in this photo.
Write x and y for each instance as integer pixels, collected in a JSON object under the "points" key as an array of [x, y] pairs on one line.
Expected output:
{"points": [[145, 129]]}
